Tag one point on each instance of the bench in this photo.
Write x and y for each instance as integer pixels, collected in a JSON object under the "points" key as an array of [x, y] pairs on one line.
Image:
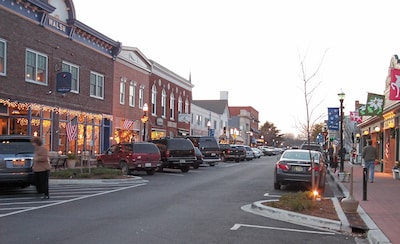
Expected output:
{"points": [[57, 161]]}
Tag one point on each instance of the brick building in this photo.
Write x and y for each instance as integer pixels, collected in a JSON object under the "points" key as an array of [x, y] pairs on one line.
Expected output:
{"points": [[38, 40]]}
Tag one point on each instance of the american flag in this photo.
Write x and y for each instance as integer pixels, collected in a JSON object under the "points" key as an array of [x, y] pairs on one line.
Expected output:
{"points": [[127, 124], [72, 129]]}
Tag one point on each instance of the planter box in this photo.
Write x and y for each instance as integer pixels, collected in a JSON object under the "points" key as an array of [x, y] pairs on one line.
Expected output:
{"points": [[396, 174], [344, 176], [71, 163]]}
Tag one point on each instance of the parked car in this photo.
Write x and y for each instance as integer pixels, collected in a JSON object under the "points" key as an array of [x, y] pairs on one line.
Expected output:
{"points": [[257, 152], [295, 166], [176, 153], [199, 158], [269, 151], [139, 156], [16, 161], [208, 146], [249, 153], [232, 152], [315, 147]]}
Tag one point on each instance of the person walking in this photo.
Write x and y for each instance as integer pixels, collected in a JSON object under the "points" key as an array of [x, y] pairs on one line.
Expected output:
{"points": [[41, 167], [370, 155], [330, 154]]}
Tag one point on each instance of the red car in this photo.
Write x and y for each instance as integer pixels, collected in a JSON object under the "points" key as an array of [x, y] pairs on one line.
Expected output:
{"points": [[139, 156]]}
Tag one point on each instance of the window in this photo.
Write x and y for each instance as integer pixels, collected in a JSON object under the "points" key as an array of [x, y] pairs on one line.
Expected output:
{"points": [[96, 85], [180, 105], [163, 103], [141, 96], [172, 106], [187, 106], [132, 92], [36, 67], [153, 99], [122, 90], [3, 57], [74, 70]]}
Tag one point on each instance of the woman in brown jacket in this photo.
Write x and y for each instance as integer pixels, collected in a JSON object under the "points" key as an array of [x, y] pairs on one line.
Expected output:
{"points": [[41, 167]]}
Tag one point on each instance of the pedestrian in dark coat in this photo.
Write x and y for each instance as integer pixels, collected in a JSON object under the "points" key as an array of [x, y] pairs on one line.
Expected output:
{"points": [[41, 167], [370, 155]]}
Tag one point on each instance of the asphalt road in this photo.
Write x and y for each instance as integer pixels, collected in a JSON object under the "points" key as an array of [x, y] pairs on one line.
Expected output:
{"points": [[201, 206]]}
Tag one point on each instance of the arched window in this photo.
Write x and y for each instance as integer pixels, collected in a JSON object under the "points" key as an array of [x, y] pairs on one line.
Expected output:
{"points": [[153, 99], [172, 106], [180, 105], [163, 103]]}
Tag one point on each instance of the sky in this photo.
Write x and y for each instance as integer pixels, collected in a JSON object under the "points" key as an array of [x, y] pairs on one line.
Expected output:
{"points": [[254, 49]]}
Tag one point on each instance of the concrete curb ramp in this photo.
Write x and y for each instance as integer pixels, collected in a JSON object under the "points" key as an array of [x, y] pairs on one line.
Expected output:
{"points": [[297, 218]]}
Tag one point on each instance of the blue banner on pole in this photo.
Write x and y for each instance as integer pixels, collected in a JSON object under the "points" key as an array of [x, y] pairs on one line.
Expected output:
{"points": [[333, 118]]}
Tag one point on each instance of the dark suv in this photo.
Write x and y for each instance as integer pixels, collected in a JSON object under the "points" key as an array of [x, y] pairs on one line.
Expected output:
{"points": [[232, 152], [16, 160], [176, 153], [208, 146], [140, 156]]}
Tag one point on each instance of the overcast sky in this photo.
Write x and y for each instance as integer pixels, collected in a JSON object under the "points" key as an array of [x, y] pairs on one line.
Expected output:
{"points": [[252, 49]]}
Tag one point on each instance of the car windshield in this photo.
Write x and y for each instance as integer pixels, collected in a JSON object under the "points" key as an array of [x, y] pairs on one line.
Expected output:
{"points": [[15, 146], [300, 155]]}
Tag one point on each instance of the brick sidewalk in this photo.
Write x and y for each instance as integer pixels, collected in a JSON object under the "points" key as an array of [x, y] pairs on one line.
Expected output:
{"points": [[382, 199]]}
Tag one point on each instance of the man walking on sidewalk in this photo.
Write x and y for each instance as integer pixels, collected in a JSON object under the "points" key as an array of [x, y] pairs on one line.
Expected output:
{"points": [[370, 154]]}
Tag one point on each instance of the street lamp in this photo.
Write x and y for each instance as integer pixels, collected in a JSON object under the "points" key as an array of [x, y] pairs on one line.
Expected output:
{"points": [[341, 98], [144, 119], [208, 127]]}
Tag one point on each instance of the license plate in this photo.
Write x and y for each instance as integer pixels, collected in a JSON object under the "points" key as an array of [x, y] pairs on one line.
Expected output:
{"points": [[298, 169], [147, 165], [182, 161], [212, 154], [18, 163]]}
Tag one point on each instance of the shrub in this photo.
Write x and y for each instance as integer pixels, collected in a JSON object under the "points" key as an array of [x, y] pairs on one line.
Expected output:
{"points": [[296, 201]]}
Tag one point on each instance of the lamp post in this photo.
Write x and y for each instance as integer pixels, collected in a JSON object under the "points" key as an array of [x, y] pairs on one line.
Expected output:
{"points": [[144, 120], [341, 98], [208, 127]]}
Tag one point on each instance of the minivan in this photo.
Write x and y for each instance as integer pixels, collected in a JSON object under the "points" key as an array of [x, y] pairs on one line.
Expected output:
{"points": [[139, 156], [209, 147]]}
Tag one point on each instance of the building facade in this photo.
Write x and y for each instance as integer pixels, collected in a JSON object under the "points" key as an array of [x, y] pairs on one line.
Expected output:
{"points": [[38, 42], [245, 120]]}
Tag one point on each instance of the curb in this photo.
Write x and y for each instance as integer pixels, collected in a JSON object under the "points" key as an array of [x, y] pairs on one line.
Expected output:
{"points": [[296, 218], [374, 234], [96, 181]]}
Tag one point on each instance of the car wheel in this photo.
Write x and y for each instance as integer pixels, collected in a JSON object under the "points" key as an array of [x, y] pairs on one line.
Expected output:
{"points": [[124, 168], [160, 169], [100, 164], [237, 160], [212, 164], [150, 172], [185, 168], [195, 165], [277, 186]]}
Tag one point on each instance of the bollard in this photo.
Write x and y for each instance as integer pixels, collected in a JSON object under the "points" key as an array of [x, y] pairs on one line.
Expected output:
{"points": [[382, 166], [365, 179]]}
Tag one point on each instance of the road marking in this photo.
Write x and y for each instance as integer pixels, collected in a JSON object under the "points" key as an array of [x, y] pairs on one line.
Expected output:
{"points": [[268, 195], [70, 200], [237, 226]]}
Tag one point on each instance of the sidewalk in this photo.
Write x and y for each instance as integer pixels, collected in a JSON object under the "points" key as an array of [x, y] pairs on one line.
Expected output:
{"points": [[380, 210]]}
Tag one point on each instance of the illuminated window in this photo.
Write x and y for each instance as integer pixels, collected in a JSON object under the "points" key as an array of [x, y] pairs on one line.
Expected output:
{"points": [[3, 56], [96, 85], [36, 67], [74, 70]]}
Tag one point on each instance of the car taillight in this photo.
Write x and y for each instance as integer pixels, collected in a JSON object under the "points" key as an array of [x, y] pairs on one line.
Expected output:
{"points": [[228, 151], [167, 153], [282, 166], [316, 168]]}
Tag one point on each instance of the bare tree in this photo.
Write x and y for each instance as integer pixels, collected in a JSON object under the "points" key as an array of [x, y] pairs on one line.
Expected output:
{"points": [[309, 88]]}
